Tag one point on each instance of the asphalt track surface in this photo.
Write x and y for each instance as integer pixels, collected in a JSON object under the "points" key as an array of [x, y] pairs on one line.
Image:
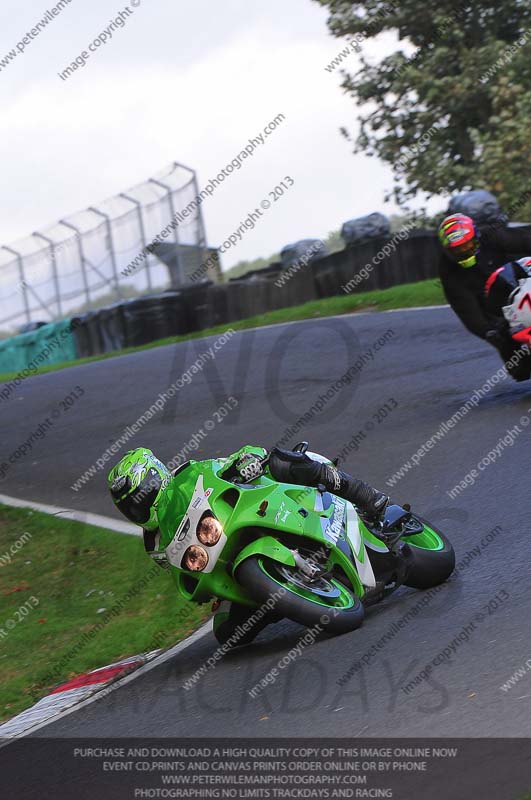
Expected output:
{"points": [[429, 367]]}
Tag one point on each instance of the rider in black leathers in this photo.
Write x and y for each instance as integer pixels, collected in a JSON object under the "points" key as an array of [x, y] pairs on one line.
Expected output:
{"points": [[464, 287]]}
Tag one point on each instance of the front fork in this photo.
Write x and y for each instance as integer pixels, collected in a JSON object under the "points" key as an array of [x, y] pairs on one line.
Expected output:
{"points": [[391, 568]]}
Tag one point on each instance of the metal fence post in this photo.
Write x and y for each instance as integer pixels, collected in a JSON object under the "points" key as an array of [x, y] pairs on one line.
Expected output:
{"points": [[79, 240], [141, 225], [201, 230], [51, 243], [112, 251], [23, 283], [180, 270]]}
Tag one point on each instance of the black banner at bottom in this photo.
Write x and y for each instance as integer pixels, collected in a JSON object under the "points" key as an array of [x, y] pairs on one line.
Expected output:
{"points": [[265, 769]]}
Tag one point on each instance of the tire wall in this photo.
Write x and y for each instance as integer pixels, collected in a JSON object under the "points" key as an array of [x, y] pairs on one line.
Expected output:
{"points": [[192, 308]]}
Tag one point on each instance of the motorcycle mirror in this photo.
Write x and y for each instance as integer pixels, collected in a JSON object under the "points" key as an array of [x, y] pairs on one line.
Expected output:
{"points": [[301, 447]]}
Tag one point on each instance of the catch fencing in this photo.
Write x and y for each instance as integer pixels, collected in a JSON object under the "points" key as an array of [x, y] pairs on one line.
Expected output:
{"points": [[143, 240]]}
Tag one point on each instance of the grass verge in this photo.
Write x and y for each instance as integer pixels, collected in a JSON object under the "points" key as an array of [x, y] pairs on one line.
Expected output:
{"points": [[74, 571], [407, 295]]}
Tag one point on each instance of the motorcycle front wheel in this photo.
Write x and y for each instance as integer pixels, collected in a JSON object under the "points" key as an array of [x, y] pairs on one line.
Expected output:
{"points": [[432, 557], [325, 602]]}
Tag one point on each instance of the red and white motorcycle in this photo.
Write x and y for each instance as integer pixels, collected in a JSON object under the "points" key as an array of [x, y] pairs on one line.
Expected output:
{"points": [[508, 292]]}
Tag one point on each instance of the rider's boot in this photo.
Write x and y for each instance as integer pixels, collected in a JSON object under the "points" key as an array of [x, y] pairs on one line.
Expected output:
{"points": [[294, 467], [236, 624]]}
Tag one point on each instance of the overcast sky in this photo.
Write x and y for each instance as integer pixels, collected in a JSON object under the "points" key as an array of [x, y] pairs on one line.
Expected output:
{"points": [[181, 81]]}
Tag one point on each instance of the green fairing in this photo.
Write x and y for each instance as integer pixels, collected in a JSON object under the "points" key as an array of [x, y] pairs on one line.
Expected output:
{"points": [[267, 546], [429, 540], [274, 533], [238, 524]]}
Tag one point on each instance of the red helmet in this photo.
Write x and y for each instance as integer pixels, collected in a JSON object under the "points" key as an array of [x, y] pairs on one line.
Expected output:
{"points": [[458, 236]]}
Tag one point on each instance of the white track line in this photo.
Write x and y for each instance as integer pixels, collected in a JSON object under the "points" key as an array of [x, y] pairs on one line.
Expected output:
{"points": [[99, 521], [99, 692], [318, 319], [103, 691], [413, 308]]}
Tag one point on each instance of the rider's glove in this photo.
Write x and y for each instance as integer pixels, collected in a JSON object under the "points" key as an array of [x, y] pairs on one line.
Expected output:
{"points": [[152, 544], [249, 467], [380, 503]]}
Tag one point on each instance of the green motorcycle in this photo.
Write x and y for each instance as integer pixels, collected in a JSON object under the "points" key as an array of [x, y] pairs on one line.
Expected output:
{"points": [[301, 553]]}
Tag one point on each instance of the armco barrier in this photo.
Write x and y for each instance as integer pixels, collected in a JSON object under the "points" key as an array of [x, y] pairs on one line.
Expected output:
{"points": [[49, 344]]}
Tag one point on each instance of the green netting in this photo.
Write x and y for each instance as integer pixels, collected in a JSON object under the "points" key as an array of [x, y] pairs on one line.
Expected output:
{"points": [[47, 345]]}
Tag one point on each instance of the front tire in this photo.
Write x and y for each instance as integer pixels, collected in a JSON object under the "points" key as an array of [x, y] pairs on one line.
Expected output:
{"points": [[432, 558], [336, 608]]}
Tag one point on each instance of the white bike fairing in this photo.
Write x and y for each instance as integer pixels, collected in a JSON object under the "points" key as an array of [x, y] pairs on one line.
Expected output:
{"points": [[185, 535], [363, 564], [518, 313]]}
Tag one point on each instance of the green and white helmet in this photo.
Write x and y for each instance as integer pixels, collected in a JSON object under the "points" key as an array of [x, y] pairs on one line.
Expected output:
{"points": [[136, 484]]}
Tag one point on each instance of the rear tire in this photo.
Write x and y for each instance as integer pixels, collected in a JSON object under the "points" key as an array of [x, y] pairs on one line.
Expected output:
{"points": [[253, 574], [430, 568]]}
